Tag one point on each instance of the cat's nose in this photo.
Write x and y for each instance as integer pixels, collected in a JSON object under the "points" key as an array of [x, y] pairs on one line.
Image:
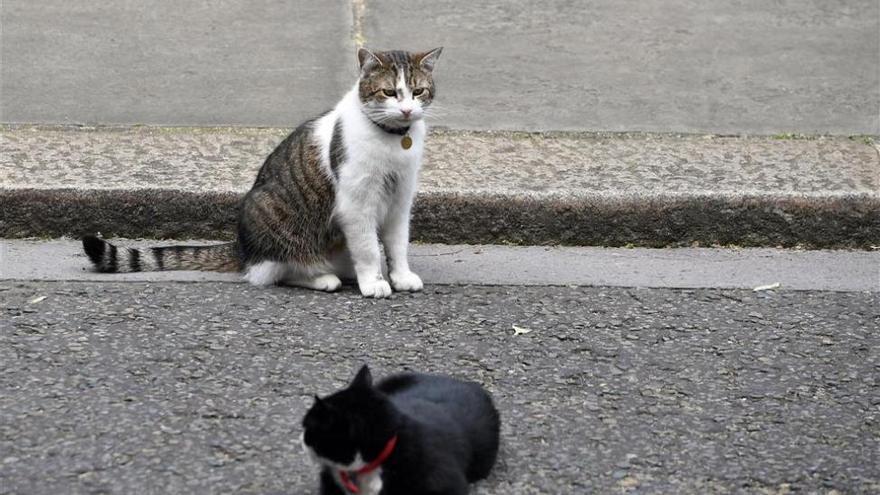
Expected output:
{"points": [[406, 112]]}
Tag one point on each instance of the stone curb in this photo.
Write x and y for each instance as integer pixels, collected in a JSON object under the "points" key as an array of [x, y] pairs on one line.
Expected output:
{"points": [[570, 189]]}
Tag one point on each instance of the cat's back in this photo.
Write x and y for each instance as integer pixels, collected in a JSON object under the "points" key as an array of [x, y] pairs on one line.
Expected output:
{"points": [[437, 389], [450, 404]]}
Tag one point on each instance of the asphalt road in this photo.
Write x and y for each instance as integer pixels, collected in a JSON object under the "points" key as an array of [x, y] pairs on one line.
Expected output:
{"points": [[200, 387]]}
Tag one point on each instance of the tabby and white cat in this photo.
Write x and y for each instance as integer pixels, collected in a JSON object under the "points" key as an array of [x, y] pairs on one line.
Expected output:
{"points": [[326, 195]]}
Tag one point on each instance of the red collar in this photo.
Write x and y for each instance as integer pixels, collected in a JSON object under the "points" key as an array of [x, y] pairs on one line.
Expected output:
{"points": [[383, 456]]}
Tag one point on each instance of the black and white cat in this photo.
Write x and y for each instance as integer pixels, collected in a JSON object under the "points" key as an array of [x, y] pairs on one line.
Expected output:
{"points": [[411, 433]]}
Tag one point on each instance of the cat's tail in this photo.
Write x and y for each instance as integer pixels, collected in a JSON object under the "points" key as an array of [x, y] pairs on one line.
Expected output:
{"points": [[111, 259]]}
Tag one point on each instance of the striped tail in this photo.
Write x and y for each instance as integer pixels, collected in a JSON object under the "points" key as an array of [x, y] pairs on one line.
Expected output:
{"points": [[111, 259]]}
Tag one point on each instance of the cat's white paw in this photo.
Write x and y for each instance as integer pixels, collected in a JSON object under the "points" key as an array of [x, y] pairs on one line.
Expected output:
{"points": [[328, 282], [376, 288], [406, 281]]}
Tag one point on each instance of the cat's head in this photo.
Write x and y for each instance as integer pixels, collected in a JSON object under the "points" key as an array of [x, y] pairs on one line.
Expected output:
{"points": [[396, 87], [353, 424]]}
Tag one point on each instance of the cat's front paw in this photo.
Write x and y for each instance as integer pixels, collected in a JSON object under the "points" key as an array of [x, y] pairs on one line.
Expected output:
{"points": [[376, 288], [406, 281]]}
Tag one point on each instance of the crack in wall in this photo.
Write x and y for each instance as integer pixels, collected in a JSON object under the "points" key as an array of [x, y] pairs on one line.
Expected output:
{"points": [[358, 11]]}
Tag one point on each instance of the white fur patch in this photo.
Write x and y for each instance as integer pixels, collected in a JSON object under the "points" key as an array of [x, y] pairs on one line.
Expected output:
{"points": [[265, 273], [375, 188], [323, 134], [369, 484], [327, 282], [377, 288], [406, 101], [405, 281]]}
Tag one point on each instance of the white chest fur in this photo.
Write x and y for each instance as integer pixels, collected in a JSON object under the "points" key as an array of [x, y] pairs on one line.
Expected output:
{"points": [[368, 484], [375, 178], [377, 171]]}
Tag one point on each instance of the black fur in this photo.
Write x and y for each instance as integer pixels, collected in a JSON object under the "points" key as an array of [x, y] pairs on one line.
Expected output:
{"points": [[159, 255], [389, 183], [112, 260], [337, 148], [94, 248], [447, 429], [134, 260]]}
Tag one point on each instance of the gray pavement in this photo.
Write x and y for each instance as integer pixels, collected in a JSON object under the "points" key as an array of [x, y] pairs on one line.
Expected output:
{"points": [[749, 67], [244, 62], [476, 187], [443, 264], [608, 65], [199, 388]]}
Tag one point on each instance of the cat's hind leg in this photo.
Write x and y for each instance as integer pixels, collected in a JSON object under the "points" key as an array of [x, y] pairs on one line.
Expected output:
{"points": [[342, 265], [327, 282], [265, 273], [315, 278]]}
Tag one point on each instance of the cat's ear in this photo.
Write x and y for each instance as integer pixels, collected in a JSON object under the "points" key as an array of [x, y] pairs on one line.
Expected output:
{"points": [[427, 59], [319, 404], [368, 59], [364, 379]]}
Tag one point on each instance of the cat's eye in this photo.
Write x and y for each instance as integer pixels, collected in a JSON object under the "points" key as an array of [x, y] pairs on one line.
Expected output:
{"points": [[390, 93], [418, 91]]}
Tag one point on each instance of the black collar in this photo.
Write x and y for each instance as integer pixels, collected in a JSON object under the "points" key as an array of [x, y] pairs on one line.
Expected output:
{"points": [[400, 131]]}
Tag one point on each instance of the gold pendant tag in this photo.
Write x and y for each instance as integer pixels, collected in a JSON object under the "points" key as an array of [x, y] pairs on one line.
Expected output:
{"points": [[406, 142]]}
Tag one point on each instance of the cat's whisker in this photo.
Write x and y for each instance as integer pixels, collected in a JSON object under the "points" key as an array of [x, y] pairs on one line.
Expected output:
{"points": [[387, 116], [436, 110], [381, 116], [435, 115]]}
